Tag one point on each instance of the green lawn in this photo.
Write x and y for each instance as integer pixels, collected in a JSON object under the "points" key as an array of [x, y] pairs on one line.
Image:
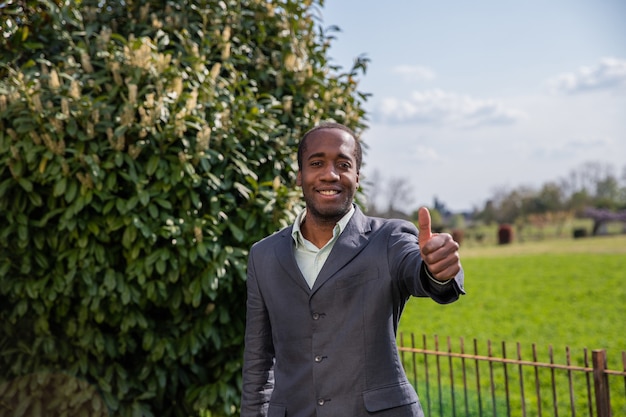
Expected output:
{"points": [[561, 293]]}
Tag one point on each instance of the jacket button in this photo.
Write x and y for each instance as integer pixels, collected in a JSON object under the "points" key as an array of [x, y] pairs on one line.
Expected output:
{"points": [[316, 316], [320, 401], [318, 358]]}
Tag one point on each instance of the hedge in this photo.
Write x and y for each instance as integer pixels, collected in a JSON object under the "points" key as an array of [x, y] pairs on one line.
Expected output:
{"points": [[144, 146]]}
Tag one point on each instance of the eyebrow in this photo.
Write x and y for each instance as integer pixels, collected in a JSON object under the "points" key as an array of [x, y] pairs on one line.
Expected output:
{"points": [[322, 154]]}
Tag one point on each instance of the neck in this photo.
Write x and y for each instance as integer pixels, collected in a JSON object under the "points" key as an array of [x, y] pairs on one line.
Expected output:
{"points": [[317, 231]]}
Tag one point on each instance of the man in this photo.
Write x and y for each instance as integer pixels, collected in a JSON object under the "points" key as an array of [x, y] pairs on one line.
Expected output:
{"points": [[326, 294]]}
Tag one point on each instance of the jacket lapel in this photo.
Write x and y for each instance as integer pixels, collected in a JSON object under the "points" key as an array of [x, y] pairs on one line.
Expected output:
{"points": [[350, 243], [284, 253]]}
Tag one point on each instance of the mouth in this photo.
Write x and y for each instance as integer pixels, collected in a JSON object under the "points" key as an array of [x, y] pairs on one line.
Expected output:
{"points": [[328, 193]]}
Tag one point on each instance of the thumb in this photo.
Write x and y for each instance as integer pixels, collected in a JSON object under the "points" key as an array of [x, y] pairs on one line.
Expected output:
{"points": [[423, 220]]}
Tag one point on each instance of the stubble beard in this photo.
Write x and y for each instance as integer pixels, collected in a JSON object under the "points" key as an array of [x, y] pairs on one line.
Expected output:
{"points": [[330, 214]]}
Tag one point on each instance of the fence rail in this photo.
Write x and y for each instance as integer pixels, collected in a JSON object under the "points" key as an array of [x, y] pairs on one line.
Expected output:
{"points": [[454, 380]]}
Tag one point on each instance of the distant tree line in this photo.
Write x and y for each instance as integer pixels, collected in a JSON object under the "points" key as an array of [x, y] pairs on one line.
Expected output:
{"points": [[592, 185]]}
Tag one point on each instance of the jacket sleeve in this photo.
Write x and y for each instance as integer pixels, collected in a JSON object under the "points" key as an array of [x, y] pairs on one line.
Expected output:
{"points": [[407, 266], [258, 359]]}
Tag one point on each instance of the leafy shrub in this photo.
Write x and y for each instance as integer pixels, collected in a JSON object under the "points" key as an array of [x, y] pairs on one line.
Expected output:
{"points": [[144, 146]]}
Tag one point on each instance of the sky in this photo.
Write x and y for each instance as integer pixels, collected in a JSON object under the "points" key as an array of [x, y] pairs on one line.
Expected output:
{"points": [[472, 97]]}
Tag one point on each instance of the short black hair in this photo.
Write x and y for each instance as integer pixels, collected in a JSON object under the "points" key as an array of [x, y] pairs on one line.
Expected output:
{"points": [[358, 152]]}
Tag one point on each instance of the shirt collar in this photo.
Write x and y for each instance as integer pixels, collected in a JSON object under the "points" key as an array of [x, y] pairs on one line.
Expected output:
{"points": [[297, 235]]}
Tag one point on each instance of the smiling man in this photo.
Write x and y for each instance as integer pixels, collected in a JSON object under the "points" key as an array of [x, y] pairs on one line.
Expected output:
{"points": [[326, 294]]}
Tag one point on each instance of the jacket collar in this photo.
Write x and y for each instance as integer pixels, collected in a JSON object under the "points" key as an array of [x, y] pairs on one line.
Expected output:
{"points": [[350, 243]]}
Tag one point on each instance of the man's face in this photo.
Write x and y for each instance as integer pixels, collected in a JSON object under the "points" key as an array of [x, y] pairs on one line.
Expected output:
{"points": [[329, 175]]}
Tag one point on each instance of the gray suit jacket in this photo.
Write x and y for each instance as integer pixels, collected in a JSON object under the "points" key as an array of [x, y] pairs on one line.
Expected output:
{"points": [[331, 350]]}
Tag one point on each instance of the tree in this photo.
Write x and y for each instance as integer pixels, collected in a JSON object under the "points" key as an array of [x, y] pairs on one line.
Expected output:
{"points": [[608, 193], [395, 192], [549, 199], [373, 186], [144, 146], [508, 204], [489, 213], [399, 194], [593, 184]]}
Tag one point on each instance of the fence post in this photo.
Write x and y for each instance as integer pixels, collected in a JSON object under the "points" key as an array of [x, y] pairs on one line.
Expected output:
{"points": [[601, 383]]}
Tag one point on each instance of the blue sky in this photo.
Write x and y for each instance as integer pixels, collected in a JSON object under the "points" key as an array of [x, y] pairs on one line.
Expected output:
{"points": [[473, 97]]}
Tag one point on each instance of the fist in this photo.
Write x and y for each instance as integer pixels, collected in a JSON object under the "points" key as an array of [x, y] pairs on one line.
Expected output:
{"points": [[439, 250]]}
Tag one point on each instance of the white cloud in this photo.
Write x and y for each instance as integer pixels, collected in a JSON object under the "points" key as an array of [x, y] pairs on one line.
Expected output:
{"points": [[414, 73], [439, 107], [610, 73]]}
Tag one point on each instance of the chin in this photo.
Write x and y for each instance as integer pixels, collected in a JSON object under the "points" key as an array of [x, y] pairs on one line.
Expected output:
{"points": [[336, 212]]}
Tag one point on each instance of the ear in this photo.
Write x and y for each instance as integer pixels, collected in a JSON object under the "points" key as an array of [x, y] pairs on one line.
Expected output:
{"points": [[299, 179]]}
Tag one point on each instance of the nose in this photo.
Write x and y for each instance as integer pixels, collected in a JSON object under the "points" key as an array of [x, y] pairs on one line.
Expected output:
{"points": [[330, 174]]}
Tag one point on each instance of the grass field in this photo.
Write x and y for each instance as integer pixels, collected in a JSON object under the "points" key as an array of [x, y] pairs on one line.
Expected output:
{"points": [[560, 293]]}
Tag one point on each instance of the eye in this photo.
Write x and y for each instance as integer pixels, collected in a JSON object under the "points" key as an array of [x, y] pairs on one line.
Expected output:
{"points": [[345, 165]]}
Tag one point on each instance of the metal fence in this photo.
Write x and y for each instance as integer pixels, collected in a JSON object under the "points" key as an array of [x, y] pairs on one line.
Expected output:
{"points": [[453, 379]]}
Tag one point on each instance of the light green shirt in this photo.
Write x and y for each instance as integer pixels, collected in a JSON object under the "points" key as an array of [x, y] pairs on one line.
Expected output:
{"points": [[309, 257]]}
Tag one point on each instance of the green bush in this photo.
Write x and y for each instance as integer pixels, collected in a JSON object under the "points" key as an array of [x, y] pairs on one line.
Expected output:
{"points": [[144, 146]]}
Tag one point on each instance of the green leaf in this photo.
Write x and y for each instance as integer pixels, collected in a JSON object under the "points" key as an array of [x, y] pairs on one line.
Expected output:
{"points": [[251, 220], [109, 279], [131, 203], [153, 211], [5, 185], [125, 295], [41, 260], [111, 180], [152, 165], [119, 159], [21, 308], [93, 227], [108, 207], [25, 127], [201, 249], [144, 197], [72, 191], [129, 236], [72, 128], [22, 232], [160, 267], [236, 231], [25, 184], [5, 265], [35, 199], [163, 203], [243, 190], [17, 167], [148, 340]]}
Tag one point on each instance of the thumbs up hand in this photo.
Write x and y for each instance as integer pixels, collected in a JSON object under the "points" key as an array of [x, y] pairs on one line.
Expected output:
{"points": [[439, 250]]}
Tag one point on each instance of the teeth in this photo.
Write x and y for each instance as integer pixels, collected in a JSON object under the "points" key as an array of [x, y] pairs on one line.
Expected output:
{"points": [[329, 192]]}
